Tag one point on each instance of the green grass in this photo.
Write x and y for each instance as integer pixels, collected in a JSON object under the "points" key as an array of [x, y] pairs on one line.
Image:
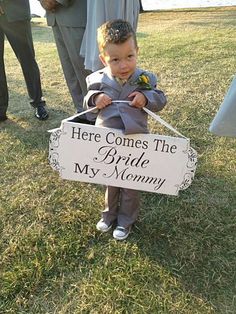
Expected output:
{"points": [[180, 257]]}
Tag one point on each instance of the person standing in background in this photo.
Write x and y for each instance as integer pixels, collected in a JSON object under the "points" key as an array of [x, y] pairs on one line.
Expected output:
{"points": [[15, 25], [141, 6], [99, 12], [68, 20]]}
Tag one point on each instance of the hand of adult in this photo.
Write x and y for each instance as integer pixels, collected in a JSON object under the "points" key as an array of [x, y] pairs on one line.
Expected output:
{"points": [[49, 5], [1, 11]]}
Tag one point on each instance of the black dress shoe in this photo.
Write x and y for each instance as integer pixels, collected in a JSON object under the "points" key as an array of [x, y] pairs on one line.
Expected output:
{"points": [[41, 113], [3, 118]]}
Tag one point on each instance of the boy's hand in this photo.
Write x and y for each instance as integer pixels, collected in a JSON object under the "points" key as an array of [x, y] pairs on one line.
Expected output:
{"points": [[139, 100], [102, 100]]}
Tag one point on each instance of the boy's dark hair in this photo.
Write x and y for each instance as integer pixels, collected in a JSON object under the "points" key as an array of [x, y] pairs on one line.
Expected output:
{"points": [[114, 32]]}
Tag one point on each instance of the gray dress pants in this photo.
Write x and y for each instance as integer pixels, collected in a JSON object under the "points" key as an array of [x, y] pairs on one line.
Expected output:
{"points": [[68, 41], [121, 204]]}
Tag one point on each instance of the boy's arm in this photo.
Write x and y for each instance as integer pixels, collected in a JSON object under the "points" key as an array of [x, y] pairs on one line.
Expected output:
{"points": [[89, 98], [94, 87], [88, 104], [155, 98]]}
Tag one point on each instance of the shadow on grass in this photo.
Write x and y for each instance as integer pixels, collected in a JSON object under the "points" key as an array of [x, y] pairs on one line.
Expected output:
{"points": [[192, 237], [41, 32], [24, 126]]}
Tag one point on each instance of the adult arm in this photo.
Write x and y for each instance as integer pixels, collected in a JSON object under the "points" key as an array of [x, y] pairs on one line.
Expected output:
{"points": [[49, 5], [1, 8], [52, 5]]}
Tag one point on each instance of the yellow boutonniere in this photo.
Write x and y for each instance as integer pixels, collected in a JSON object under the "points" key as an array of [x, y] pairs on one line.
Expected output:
{"points": [[143, 82]]}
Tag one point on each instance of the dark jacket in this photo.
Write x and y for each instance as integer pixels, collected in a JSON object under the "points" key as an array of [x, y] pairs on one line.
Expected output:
{"points": [[16, 10]]}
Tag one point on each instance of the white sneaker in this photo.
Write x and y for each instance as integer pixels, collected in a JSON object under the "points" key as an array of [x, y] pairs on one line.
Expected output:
{"points": [[102, 226], [121, 233]]}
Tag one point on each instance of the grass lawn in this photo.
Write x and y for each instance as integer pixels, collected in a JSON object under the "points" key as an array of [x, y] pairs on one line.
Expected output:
{"points": [[180, 257]]}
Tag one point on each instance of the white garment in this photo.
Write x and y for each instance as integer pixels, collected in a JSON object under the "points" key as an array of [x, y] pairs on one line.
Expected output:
{"points": [[98, 12], [224, 122]]}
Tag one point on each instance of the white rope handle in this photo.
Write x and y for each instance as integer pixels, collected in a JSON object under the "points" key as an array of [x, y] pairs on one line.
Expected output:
{"points": [[163, 122], [73, 117], [81, 113], [152, 114], [155, 116]]}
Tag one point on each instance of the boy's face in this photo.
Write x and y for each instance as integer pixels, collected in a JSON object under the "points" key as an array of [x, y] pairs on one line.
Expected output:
{"points": [[121, 59]]}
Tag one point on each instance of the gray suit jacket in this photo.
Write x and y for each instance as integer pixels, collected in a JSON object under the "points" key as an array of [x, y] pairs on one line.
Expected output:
{"points": [[16, 10], [71, 13], [134, 120]]}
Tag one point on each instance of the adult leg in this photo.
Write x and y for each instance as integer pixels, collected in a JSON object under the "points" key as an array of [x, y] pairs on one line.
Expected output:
{"points": [[3, 81], [19, 36], [68, 41]]}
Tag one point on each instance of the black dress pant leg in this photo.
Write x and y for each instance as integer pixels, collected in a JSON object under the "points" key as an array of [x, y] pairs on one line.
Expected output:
{"points": [[19, 35], [3, 80]]}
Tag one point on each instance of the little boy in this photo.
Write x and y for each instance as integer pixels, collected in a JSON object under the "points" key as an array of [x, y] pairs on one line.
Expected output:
{"points": [[121, 80]]}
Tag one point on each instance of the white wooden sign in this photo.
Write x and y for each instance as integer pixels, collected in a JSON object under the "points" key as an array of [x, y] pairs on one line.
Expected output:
{"points": [[148, 162]]}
